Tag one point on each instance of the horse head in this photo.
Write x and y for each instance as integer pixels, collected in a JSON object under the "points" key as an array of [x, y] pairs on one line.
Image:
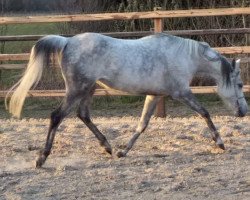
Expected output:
{"points": [[231, 88]]}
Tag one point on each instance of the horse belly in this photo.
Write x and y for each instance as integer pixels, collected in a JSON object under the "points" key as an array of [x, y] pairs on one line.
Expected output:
{"points": [[136, 85]]}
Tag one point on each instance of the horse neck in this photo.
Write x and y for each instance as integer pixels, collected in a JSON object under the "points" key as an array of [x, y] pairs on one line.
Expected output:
{"points": [[204, 67], [211, 69]]}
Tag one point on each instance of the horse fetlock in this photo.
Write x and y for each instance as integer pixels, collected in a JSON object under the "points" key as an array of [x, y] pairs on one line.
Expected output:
{"points": [[40, 160]]}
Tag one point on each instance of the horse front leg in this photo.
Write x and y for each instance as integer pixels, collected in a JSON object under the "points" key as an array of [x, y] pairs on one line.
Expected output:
{"points": [[190, 100], [148, 109]]}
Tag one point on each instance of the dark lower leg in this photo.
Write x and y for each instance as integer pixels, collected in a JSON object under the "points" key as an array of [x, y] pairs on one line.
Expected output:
{"points": [[83, 114], [191, 101], [215, 135], [102, 139], [56, 118], [148, 109]]}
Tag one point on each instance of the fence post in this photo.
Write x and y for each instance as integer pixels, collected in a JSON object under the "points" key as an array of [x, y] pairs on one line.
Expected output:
{"points": [[158, 28]]}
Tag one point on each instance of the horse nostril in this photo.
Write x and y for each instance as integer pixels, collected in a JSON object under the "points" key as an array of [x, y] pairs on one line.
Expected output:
{"points": [[240, 114]]}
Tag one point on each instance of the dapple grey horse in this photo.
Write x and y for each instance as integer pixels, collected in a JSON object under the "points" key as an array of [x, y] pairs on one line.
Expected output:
{"points": [[155, 65]]}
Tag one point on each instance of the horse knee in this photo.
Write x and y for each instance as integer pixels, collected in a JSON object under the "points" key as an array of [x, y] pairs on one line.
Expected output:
{"points": [[83, 116], [204, 113], [56, 117]]}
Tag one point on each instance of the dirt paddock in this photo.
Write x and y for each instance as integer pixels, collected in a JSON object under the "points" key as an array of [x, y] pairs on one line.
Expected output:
{"points": [[174, 159]]}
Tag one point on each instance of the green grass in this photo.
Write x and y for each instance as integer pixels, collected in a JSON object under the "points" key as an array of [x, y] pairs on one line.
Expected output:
{"points": [[9, 78], [32, 29], [26, 29]]}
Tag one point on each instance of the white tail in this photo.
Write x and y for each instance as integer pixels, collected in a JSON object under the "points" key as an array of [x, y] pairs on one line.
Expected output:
{"points": [[30, 78], [38, 60]]}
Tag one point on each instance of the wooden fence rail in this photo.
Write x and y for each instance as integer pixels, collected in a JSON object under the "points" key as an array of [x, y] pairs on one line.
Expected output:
{"points": [[110, 92], [125, 16], [137, 34]]}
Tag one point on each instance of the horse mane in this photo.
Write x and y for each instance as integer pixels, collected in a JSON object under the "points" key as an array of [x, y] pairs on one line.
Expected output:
{"points": [[226, 69]]}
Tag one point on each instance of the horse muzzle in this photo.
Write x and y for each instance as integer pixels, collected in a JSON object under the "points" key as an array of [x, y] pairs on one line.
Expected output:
{"points": [[241, 112]]}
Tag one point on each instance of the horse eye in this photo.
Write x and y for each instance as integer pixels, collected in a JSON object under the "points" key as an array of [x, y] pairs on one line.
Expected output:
{"points": [[240, 85]]}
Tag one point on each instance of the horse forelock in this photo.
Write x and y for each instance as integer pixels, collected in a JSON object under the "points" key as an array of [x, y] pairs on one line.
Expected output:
{"points": [[226, 70]]}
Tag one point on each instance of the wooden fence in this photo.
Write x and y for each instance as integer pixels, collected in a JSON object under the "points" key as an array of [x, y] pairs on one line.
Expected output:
{"points": [[137, 34], [156, 15]]}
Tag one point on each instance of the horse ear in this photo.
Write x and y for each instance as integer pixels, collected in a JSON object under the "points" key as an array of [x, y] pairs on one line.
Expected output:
{"points": [[233, 64], [237, 62], [205, 44]]}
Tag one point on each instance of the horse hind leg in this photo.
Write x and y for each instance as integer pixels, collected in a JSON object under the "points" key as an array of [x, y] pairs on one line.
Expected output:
{"points": [[148, 109], [56, 118], [84, 115]]}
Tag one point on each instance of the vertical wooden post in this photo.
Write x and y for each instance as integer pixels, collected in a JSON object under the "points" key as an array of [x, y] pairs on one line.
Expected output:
{"points": [[160, 108]]}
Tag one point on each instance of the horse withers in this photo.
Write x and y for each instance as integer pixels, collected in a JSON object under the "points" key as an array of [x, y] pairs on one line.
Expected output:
{"points": [[155, 65]]}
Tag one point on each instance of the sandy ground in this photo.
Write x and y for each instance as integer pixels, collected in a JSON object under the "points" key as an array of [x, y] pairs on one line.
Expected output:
{"points": [[174, 159]]}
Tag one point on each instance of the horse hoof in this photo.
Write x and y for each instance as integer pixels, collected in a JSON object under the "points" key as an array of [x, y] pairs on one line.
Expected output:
{"points": [[106, 146], [120, 154], [40, 161], [221, 146], [108, 150]]}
